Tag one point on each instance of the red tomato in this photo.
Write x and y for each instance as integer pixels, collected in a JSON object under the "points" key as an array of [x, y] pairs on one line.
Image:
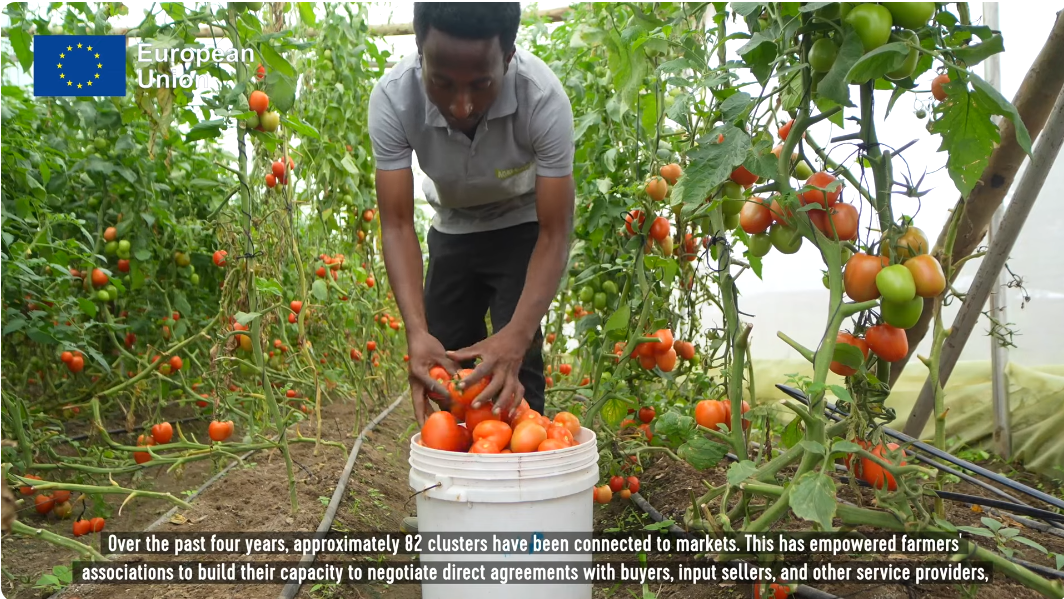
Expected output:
{"points": [[743, 177], [841, 369], [823, 179], [710, 413], [220, 431], [859, 277], [755, 217], [646, 414], [440, 431], [162, 433], [843, 218], [616, 483], [569, 421], [887, 342], [527, 437], [633, 216]]}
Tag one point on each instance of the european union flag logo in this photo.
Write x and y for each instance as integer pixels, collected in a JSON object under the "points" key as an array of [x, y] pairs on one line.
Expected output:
{"points": [[79, 65]]}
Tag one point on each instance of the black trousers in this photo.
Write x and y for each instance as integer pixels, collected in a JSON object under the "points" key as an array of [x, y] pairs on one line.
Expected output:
{"points": [[470, 274]]}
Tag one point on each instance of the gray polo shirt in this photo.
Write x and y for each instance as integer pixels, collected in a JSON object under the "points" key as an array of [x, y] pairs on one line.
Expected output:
{"points": [[488, 182]]}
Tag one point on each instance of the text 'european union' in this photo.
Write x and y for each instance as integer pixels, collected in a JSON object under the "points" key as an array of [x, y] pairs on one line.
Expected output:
{"points": [[79, 65]]}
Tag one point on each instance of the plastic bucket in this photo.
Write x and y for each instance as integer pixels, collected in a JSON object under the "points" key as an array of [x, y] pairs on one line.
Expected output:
{"points": [[549, 491]]}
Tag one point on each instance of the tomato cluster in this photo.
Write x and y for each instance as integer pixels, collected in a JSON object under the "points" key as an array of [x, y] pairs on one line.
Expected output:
{"points": [[58, 502], [525, 431], [279, 172], [263, 119], [622, 486]]}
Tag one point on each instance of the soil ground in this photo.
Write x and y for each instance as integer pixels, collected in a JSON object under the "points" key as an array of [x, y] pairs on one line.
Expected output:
{"points": [[255, 498]]}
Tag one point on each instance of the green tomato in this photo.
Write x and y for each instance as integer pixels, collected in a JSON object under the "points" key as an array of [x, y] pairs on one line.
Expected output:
{"points": [[600, 301], [824, 280], [909, 66], [896, 284], [921, 114], [822, 55], [587, 294], [270, 121], [911, 15], [760, 244], [731, 221], [902, 314], [872, 22], [123, 254], [786, 239], [846, 254], [103, 296], [110, 248], [194, 279], [732, 207], [610, 288], [705, 225], [100, 143], [803, 171], [733, 190], [94, 202], [123, 245], [252, 121], [327, 54], [596, 284]]}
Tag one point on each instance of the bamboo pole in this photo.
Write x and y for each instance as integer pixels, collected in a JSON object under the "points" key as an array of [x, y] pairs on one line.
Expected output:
{"points": [[1045, 154]]}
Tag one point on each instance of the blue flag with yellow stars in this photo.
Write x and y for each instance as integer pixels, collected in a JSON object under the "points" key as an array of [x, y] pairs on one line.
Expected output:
{"points": [[79, 65]]}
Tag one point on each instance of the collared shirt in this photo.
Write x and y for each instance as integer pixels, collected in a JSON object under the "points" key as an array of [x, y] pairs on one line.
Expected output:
{"points": [[488, 182]]}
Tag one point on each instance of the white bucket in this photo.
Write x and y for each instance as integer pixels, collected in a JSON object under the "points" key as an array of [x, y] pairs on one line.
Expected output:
{"points": [[549, 492]]}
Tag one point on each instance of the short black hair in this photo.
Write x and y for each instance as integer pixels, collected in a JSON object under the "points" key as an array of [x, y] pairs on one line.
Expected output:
{"points": [[470, 20]]}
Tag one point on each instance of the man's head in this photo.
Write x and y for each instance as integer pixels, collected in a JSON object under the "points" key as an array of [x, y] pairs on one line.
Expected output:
{"points": [[465, 50]]}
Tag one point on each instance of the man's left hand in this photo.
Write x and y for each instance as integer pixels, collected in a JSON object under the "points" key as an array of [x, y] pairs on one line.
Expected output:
{"points": [[501, 357]]}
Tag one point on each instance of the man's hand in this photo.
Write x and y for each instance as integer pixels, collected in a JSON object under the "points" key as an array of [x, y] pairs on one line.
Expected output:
{"points": [[501, 356], [425, 352]]}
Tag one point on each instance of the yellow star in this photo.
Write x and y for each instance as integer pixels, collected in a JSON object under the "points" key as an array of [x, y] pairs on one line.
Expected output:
{"points": [[79, 86], [99, 66], [90, 48], [69, 48], [62, 76], [97, 54], [60, 65], [90, 83], [70, 83], [79, 45], [97, 75], [62, 55]]}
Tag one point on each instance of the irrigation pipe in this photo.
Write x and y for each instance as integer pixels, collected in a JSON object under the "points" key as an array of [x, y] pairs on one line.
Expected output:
{"points": [[942, 455], [292, 588]]}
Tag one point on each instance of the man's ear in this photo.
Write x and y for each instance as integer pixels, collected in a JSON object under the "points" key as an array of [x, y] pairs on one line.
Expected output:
{"points": [[506, 61]]}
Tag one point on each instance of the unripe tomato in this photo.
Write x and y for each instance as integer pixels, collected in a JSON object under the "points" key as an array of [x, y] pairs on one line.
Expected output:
{"points": [[657, 188], [910, 15], [872, 23], [908, 67], [822, 55], [936, 87], [903, 315], [859, 276], [927, 275], [760, 244], [787, 240], [895, 284], [270, 121]]}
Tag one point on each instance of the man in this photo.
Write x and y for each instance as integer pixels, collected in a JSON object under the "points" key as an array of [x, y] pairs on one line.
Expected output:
{"points": [[493, 131]]}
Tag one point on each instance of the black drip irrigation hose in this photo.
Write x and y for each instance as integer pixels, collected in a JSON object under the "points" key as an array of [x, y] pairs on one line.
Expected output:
{"points": [[942, 455], [292, 588]]}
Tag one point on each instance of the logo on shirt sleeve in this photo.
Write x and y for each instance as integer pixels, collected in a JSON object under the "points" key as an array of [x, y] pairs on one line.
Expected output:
{"points": [[510, 172]]}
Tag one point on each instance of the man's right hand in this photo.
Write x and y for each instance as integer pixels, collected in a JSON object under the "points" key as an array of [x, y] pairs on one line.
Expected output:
{"points": [[426, 352]]}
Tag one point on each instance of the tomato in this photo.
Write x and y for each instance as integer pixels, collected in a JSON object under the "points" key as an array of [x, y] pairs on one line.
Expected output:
{"points": [[732, 190], [802, 170], [664, 342], [527, 436], [648, 362], [569, 421], [843, 337], [497, 432], [44, 503], [99, 277], [97, 524], [82, 527], [887, 342], [908, 67], [259, 101], [76, 364], [910, 15], [603, 494], [710, 413], [902, 314], [859, 277], [110, 234], [440, 431], [162, 433], [62, 509], [937, 90], [176, 363], [822, 55], [666, 361], [659, 229], [685, 350], [565, 369], [756, 217], [884, 476], [484, 446], [760, 244], [671, 173], [743, 177], [912, 243], [786, 129], [220, 431], [616, 483], [372, 346], [872, 22], [633, 216], [828, 193], [270, 121], [467, 394], [896, 284], [633, 484], [646, 431], [560, 433], [927, 275], [785, 239], [219, 257], [656, 188], [779, 213], [370, 282], [66, 357], [776, 590]]}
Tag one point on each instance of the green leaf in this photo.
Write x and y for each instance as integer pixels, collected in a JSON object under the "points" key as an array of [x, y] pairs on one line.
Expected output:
{"points": [[702, 453], [268, 286], [711, 163], [974, 54], [814, 6], [813, 447], [306, 13], [813, 499], [20, 41], [746, 9], [968, 134], [735, 106], [88, 307], [142, 254], [628, 66], [991, 523], [282, 90], [649, 107], [792, 433], [320, 290], [848, 355], [845, 447], [585, 122], [276, 61], [878, 62], [835, 85], [15, 324], [302, 128], [205, 130], [349, 164], [985, 93], [740, 471], [613, 411], [979, 532], [619, 319], [181, 303], [587, 323], [245, 317], [758, 54], [674, 425]]}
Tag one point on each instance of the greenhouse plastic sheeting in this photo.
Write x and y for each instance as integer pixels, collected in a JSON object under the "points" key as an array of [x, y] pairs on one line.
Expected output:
{"points": [[1036, 403]]}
